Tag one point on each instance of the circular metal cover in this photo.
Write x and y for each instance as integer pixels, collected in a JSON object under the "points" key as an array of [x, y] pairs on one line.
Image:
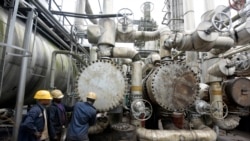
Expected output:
{"points": [[105, 79], [173, 86], [238, 89]]}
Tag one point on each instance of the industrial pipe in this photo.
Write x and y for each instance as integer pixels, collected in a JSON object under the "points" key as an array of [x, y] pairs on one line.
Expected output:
{"points": [[146, 35], [203, 134], [126, 52], [53, 64], [150, 62], [136, 86], [230, 122]]}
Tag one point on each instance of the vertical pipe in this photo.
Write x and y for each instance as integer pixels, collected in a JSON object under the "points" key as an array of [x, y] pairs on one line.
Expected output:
{"points": [[22, 82], [136, 86], [215, 91], [189, 18], [108, 7], [189, 25], [10, 36], [80, 9], [93, 53], [209, 5]]}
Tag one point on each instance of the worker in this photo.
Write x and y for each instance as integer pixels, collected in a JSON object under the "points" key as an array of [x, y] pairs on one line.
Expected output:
{"points": [[34, 125], [57, 116], [84, 116]]}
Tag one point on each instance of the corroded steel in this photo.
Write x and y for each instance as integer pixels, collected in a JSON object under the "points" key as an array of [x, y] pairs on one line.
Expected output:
{"points": [[173, 86], [239, 91]]}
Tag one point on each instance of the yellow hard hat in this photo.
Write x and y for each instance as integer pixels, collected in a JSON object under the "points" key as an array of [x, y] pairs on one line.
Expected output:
{"points": [[91, 95], [43, 94], [57, 94]]}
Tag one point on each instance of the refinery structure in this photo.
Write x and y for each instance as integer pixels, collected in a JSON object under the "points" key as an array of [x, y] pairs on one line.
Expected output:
{"points": [[178, 81]]}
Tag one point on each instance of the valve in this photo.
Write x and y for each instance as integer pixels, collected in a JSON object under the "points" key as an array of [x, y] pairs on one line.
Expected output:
{"points": [[147, 6], [127, 16], [141, 109], [220, 21], [216, 107], [237, 4]]}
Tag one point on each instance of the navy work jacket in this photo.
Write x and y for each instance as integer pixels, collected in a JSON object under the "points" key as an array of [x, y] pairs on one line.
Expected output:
{"points": [[33, 122], [56, 121], [84, 116]]}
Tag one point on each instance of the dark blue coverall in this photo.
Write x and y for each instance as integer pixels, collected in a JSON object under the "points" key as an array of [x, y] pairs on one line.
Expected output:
{"points": [[57, 119], [33, 122], [84, 116]]}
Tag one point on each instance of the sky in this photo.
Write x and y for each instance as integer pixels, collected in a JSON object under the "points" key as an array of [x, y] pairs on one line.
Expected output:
{"points": [[135, 6]]}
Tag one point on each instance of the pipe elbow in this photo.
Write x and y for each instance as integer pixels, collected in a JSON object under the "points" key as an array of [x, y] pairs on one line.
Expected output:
{"points": [[229, 123], [126, 52]]}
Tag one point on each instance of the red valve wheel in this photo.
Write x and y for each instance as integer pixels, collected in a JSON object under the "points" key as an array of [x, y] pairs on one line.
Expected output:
{"points": [[237, 4]]}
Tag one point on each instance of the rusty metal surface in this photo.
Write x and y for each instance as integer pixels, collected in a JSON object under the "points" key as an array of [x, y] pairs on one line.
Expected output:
{"points": [[239, 91], [173, 86], [105, 79]]}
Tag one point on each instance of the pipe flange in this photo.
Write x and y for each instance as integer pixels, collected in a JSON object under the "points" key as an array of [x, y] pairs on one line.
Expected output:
{"points": [[106, 79], [174, 86]]}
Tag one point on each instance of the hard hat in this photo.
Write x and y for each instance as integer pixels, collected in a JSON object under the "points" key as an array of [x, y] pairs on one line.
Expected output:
{"points": [[91, 95], [43, 94], [57, 94]]}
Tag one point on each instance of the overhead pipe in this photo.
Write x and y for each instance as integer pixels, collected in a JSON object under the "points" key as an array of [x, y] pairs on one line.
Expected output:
{"points": [[51, 18], [53, 64], [53, 34]]}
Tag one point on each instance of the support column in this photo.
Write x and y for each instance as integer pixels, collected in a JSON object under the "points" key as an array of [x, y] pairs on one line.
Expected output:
{"points": [[22, 82]]}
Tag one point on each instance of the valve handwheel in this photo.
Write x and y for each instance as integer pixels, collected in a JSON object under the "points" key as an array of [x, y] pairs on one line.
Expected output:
{"points": [[237, 4], [141, 109], [221, 21], [219, 109], [127, 16]]}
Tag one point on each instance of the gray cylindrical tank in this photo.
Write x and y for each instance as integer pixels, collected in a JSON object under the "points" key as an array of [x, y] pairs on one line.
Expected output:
{"points": [[38, 65]]}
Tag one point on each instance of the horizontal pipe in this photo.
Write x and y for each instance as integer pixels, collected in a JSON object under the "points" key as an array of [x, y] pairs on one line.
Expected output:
{"points": [[147, 35], [205, 134], [125, 52]]}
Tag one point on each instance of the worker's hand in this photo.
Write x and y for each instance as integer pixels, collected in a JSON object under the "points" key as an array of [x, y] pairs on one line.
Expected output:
{"points": [[38, 134]]}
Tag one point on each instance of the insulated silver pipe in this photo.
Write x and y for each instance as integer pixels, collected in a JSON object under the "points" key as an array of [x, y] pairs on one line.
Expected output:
{"points": [[108, 7], [136, 86], [80, 9], [204, 134], [125, 52]]}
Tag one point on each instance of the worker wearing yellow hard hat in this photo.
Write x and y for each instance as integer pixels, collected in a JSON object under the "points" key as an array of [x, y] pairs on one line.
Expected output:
{"points": [[57, 116], [84, 116], [34, 125]]}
